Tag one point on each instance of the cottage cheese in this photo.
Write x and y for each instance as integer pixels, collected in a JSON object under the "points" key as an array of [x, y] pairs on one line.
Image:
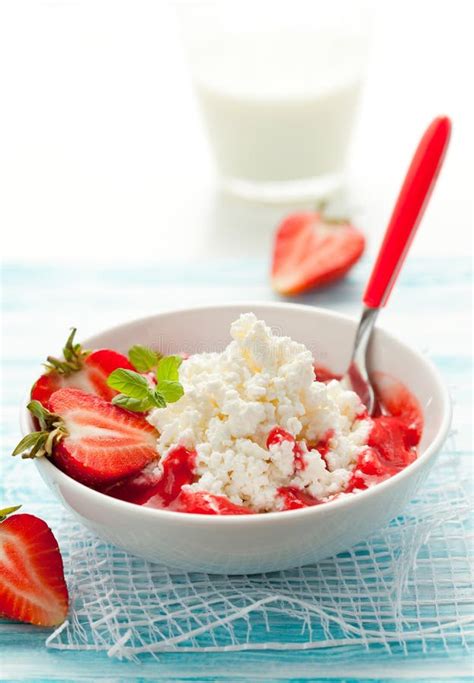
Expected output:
{"points": [[233, 399]]}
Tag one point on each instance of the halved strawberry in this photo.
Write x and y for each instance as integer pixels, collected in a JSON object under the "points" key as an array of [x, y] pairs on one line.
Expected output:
{"points": [[203, 503], [103, 443], [311, 250], [86, 370], [32, 585], [92, 440]]}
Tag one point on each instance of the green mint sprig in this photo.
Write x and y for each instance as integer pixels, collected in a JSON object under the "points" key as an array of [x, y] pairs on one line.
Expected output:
{"points": [[143, 358], [136, 392]]}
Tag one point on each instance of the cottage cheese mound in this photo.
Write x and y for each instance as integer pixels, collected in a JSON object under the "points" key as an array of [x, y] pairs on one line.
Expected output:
{"points": [[233, 399]]}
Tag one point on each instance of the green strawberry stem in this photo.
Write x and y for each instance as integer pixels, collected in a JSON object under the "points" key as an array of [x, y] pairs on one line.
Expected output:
{"points": [[322, 209], [40, 443], [73, 357]]}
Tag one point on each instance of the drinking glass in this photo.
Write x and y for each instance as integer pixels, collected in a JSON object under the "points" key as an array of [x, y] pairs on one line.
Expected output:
{"points": [[278, 85]]}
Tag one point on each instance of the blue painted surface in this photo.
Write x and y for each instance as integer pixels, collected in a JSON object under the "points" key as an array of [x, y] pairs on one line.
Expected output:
{"points": [[41, 302]]}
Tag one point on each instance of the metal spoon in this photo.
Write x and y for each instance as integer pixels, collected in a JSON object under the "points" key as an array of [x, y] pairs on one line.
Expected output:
{"points": [[411, 203]]}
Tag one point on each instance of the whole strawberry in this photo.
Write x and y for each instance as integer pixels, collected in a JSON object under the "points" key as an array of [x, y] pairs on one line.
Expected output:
{"points": [[32, 585]]}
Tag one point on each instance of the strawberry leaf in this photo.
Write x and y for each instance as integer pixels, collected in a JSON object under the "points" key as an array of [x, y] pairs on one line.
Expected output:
{"points": [[130, 383], [8, 511], [70, 349], [171, 391], [168, 368], [45, 418], [143, 358], [32, 444]]}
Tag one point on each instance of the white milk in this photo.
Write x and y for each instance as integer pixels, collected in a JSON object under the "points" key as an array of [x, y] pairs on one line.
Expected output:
{"points": [[279, 107]]}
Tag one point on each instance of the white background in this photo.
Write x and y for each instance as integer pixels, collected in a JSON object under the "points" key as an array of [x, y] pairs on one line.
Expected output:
{"points": [[102, 155]]}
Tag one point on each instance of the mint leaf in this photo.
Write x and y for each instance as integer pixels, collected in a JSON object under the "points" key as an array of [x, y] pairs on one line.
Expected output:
{"points": [[158, 399], [143, 358], [168, 368], [130, 383], [136, 393], [136, 405], [171, 391]]}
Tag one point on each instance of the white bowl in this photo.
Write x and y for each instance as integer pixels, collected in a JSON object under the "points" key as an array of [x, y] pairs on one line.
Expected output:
{"points": [[277, 540]]}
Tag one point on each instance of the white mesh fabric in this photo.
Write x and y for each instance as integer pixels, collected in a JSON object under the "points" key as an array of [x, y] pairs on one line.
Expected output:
{"points": [[410, 583]]}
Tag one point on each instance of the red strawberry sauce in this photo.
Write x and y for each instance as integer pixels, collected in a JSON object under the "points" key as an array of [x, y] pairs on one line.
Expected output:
{"points": [[391, 447], [162, 485], [396, 431]]}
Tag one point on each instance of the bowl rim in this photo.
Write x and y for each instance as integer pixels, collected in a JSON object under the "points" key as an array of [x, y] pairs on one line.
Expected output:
{"points": [[344, 500]]}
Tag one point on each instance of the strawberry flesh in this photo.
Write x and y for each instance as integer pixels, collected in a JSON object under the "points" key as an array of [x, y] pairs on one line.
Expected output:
{"points": [[138, 488], [105, 443], [98, 365], [323, 374], [293, 498], [202, 503], [46, 385], [32, 585], [310, 251]]}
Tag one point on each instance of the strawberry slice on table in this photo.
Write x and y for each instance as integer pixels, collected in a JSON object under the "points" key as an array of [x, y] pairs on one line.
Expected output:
{"points": [[93, 441], [86, 370], [32, 585], [311, 250]]}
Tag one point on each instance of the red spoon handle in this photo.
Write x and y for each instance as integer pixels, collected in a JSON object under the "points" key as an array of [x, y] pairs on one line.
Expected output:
{"points": [[411, 203]]}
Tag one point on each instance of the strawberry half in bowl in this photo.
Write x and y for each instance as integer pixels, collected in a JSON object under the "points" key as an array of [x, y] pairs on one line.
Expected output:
{"points": [[303, 473]]}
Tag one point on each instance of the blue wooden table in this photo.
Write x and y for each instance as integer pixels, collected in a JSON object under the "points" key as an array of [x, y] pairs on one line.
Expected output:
{"points": [[430, 309]]}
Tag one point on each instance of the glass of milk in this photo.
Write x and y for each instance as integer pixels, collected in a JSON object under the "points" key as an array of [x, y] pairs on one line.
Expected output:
{"points": [[278, 84]]}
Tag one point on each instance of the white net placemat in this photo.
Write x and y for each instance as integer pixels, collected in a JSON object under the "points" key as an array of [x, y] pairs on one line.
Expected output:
{"points": [[410, 587]]}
